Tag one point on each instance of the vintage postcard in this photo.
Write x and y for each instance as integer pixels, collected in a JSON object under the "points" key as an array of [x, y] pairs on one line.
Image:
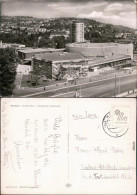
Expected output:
{"points": [[68, 48], [68, 146]]}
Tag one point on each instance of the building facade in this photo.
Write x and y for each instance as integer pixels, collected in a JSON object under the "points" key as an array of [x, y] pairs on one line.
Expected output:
{"points": [[57, 65], [77, 32], [100, 49]]}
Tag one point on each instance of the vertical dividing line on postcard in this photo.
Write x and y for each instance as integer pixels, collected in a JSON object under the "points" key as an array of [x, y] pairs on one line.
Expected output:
{"points": [[68, 142]]}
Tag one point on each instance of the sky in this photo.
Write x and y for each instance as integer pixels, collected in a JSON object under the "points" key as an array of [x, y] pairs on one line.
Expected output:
{"points": [[119, 12]]}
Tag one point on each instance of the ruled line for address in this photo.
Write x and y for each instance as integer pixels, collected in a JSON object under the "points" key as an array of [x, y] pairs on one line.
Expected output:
{"points": [[106, 169]]}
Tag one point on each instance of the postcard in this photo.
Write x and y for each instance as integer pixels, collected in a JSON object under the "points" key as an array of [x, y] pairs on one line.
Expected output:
{"points": [[68, 146], [68, 48]]}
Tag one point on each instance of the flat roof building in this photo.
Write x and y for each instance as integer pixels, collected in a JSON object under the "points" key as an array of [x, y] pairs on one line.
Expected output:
{"points": [[55, 65], [50, 64], [63, 56], [28, 53], [109, 60]]}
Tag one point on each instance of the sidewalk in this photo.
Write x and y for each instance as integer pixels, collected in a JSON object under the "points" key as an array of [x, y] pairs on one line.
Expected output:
{"points": [[130, 93]]}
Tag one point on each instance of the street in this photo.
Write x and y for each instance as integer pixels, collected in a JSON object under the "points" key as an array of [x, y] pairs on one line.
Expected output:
{"points": [[104, 88]]}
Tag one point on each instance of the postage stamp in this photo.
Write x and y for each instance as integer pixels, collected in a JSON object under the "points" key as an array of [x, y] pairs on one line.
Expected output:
{"points": [[116, 122], [120, 115]]}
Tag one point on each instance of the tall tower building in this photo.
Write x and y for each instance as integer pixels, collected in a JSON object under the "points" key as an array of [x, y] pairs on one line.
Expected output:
{"points": [[77, 32], [136, 15]]}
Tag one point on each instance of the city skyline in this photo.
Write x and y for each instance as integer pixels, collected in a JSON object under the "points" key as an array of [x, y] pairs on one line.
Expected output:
{"points": [[107, 11]]}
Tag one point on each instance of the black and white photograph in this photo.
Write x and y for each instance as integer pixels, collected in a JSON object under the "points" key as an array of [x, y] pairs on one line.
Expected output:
{"points": [[68, 86], [68, 48]]}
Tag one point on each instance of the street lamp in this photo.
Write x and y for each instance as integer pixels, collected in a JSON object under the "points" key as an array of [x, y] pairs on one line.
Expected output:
{"points": [[119, 85], [115, 87], [80, 92]]}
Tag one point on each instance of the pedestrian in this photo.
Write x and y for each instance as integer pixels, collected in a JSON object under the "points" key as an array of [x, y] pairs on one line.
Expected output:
{"points": [[76, 93], [44, 88], [134, 89]]}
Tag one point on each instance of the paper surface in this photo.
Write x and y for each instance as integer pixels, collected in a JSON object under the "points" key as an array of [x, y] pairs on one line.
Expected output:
{"points": [[68, 146]]}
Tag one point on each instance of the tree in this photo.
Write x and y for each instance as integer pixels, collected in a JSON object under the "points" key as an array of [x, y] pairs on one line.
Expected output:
{"points": [[45, 41], [59, 41], [8, 65]]}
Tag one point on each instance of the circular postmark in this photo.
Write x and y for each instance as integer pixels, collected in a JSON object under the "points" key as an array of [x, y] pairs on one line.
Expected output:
{"points": [[113, 130]]}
